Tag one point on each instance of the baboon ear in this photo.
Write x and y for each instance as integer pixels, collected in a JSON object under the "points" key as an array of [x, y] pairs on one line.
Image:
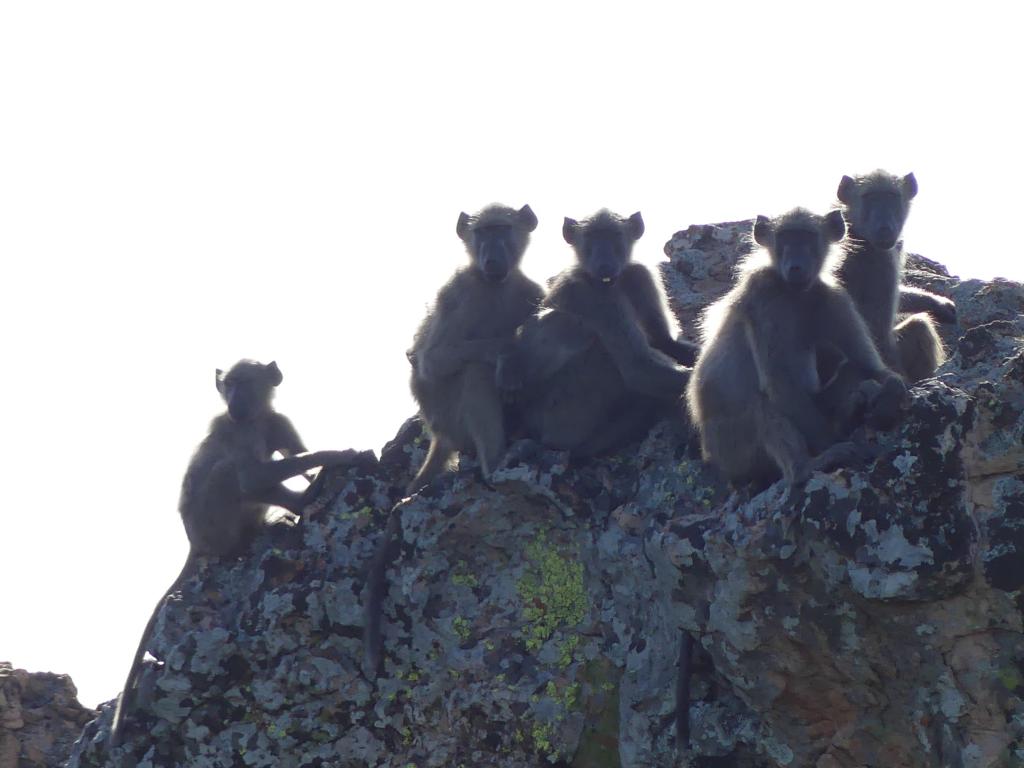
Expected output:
{"points": [[462, 227], [274, 374], [570, 228], [835, 226], [763, 231], [909, 186], [845, 192], [636, 225], [220, 381], [527, 218]]}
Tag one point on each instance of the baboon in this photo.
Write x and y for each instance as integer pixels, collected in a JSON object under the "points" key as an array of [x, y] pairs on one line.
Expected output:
{"points": [[230, 483], [597, 366], [753, 393], [457, 347], [875, 207]]}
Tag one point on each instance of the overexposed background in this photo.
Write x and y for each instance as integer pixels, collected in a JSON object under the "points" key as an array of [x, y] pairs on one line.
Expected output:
{"points": [[185, 184]]}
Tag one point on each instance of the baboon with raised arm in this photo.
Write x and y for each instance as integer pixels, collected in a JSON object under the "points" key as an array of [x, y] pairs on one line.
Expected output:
{"points": [[875, 207], [598, 365], [231, 482], [456, 349], [754, 391]]}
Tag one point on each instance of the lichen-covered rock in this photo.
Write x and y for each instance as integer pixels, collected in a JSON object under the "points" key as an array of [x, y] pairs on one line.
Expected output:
{"points": [[871, 618], [40, 718]]}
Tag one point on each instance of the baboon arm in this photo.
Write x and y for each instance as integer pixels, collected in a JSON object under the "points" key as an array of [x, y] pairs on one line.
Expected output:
{"points": [[616, 324], [279, 496], [284, 437], [446, 358], [844, 327], [258, 477], [639, 287], [914, 300], [546, 343]]}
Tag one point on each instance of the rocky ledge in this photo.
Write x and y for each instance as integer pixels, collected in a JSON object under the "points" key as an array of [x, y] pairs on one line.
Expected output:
{"points": [[40, 718], [871, 618]]}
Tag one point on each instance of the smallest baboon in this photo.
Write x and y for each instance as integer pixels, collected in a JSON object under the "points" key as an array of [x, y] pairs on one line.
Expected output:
{"points": [[231, 482], [754, 391], [471, 325], [875, 207]]}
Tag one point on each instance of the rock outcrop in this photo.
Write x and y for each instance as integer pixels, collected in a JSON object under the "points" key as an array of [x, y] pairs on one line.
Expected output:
{"points": [[40, 718], [871, 618]]}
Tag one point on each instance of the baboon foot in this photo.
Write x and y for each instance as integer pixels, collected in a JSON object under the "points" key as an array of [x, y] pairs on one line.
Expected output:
{"points": [[849, 454], [525, 451]]}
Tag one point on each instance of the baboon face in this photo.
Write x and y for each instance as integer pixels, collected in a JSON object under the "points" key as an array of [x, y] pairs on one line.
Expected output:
{"points": [[877, 206], [496, 238], [496, 251], [604, 243], [248, 388], [798, 243]]}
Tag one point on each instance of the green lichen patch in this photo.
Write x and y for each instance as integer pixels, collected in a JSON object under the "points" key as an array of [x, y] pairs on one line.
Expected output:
{"points": [[552, 592]]}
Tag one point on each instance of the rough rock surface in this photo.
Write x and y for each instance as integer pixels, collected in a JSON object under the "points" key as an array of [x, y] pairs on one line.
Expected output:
{"points": [[872, 618], [40, 718]]}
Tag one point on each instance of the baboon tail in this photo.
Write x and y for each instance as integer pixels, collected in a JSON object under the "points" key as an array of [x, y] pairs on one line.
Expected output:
{"points": [[126, 701]]}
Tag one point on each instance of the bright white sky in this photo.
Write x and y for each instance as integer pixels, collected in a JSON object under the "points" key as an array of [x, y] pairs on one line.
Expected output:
{"points": [[185, 184]]}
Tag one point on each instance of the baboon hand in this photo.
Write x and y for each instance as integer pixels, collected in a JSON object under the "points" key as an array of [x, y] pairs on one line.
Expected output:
{"points": [[892, 382], [883, 411]]}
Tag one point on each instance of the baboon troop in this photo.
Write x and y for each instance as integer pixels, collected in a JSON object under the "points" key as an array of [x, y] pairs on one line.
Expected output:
{"points": [[231, 482], [817, 338]]}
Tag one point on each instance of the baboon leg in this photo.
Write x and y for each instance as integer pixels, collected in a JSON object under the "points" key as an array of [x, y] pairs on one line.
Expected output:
{"points": [[788, 449], [851, 398], [631, 419], [919, 345], [483, 417], [783, 442], [218, 523], [845, 454], [286, 498], [571, 415], [438, 456], [732, 444], [845, 398]]}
